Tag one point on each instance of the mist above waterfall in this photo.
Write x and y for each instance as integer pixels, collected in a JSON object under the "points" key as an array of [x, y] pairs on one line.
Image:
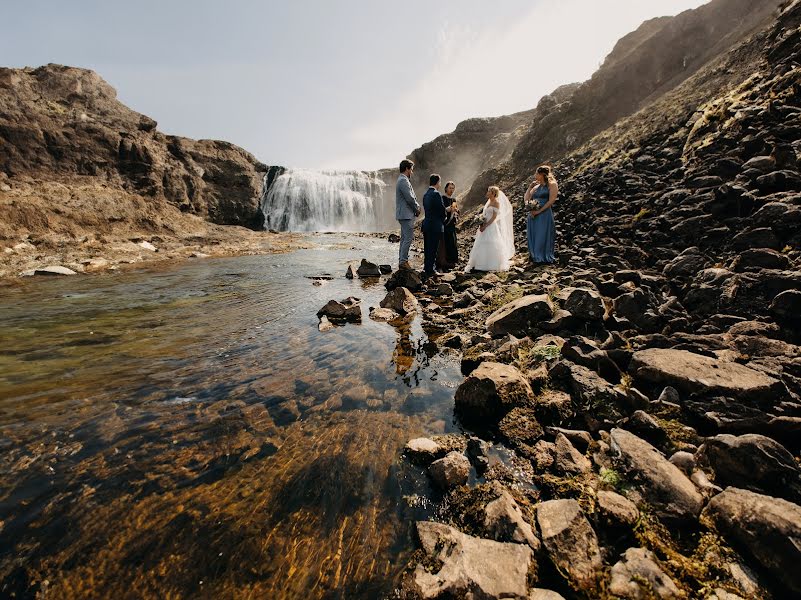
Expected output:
{"points": [[307, 200]]}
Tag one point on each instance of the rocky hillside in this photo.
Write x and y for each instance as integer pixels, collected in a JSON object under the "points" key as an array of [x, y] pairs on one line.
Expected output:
{"points": [[58, 123], [643, 67], [644, 394]]}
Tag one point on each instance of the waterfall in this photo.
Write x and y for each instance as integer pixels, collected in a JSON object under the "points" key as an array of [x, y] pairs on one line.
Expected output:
{"points": [[306, 200]]}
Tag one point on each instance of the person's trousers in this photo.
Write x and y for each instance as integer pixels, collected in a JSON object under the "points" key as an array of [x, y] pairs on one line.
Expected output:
{"points": [[431, 240], [407, 235]]}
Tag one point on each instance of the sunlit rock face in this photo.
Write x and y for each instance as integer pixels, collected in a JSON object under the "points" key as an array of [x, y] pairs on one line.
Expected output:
{"points": [[306, 200]]}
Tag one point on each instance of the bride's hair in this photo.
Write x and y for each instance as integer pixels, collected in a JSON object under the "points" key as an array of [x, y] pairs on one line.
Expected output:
{"points": [[494, 190], [547, 172]]}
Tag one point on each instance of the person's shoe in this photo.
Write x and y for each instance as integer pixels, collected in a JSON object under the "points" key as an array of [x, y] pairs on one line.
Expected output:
{"points": [[405, 266]]}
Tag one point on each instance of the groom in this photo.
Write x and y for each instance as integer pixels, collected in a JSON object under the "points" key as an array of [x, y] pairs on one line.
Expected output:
{"points": [[433, 224]]}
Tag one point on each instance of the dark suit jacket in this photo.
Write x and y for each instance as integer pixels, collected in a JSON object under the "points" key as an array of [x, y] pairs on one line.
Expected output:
{"points": [[435, 211]]}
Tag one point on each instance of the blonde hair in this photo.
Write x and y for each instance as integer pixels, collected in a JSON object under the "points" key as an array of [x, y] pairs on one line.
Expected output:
{"points": [[494, 190]]}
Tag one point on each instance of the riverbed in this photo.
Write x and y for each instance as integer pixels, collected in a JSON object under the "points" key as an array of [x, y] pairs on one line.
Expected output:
{"points": [[186, 431]]}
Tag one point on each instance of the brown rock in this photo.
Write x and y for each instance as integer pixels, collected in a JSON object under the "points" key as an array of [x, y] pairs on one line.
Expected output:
{"points": [[769, 529], [691, 373], [491, 391], [450, 471], [470, 566], [570, 541], [521, 315], [671, 494]]}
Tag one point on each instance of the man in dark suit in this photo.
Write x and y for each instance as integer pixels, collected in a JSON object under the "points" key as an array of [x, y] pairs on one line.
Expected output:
{"points": [[434, 223]]}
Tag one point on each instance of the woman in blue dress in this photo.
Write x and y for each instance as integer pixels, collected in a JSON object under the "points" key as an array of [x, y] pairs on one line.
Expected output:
{"points": [[540, 226]]}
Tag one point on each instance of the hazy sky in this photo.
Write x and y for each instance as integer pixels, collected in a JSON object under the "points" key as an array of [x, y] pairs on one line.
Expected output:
{"points": [[336, 84]]}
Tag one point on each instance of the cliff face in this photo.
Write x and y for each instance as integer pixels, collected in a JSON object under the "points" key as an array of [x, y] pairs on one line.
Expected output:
{"points": [[58, 123]]}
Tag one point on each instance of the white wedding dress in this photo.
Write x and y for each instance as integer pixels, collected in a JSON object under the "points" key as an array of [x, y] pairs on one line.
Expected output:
{"points": [[494, 247]]}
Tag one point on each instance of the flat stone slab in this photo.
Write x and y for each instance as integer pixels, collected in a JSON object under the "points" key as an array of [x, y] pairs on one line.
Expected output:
{"points": [[671, 494], [691, 373], [471, 567]]}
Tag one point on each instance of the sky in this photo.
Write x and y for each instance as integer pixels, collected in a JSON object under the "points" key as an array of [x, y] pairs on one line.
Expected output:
{"points": [[337, 84]]}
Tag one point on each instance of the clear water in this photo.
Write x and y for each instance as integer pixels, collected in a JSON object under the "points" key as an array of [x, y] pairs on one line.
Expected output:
{"points": [[187, 432]]}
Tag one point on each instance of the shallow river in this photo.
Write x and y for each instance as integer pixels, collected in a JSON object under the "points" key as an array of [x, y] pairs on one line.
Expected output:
{"points": [[187, 432]]}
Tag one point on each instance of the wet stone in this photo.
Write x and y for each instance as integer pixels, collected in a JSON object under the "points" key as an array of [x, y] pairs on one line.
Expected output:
{"points": [[450, 471]]}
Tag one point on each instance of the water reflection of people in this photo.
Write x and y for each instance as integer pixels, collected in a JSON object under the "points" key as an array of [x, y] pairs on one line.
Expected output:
{"points": [[403, 356]]}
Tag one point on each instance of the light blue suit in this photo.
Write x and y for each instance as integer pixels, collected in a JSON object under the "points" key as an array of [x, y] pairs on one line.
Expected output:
{"points": [[406, 209]]}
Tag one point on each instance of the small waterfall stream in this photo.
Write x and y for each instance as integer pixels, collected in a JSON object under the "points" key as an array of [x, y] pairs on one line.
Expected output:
{"points": [[306, 200]]}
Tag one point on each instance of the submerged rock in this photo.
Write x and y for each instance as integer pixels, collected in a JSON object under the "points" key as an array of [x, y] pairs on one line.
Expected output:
{"points": [[470, 567]]}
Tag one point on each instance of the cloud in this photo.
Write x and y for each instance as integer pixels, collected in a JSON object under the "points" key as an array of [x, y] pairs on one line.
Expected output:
{"points": [[495, 71]]}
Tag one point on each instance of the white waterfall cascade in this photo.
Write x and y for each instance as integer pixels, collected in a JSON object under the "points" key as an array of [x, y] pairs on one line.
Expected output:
{"points": [[306, 200]]}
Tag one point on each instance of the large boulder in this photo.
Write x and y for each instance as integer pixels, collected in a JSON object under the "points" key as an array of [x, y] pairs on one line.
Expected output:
{"points": [[754, 462], [671, 494], [595, 396], [521, 315], [786, 306], [637, 577], [470, 567], [584, 304], [404, 278], [570, 541], [400, 300], [769, 529], [491, 391], [693, 373]]}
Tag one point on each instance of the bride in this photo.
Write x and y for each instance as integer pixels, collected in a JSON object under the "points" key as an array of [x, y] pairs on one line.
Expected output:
{"points": [[494, 246]]}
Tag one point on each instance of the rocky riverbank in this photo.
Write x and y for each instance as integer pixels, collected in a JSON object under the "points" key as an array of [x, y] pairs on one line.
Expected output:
{"points": [[632, 413], [87, 227]]}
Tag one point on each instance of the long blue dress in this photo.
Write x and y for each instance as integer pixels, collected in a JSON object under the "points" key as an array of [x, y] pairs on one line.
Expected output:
{"points": [[541, 230]]}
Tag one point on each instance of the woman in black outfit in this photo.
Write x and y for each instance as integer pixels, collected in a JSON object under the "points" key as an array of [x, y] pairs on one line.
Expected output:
{"points": [[448, 254]]}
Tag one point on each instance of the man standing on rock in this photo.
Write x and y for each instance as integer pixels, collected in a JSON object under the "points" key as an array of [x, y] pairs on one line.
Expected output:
{"points": [[406, 210]]}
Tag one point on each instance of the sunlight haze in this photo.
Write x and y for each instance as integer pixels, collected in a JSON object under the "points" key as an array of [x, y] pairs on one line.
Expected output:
{"points": [[320, 85]]}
